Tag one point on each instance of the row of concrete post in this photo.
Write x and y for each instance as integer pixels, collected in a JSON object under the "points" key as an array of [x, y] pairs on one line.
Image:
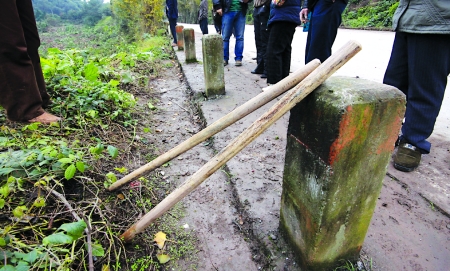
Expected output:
{"points": [[212, 48], [340, 140]]}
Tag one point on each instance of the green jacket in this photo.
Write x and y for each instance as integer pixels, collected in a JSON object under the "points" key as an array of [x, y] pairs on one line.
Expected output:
{"points": [[422, 17]]}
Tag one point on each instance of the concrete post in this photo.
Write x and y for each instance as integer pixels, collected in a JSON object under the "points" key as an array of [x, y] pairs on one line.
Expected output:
{"points": [[212, 48], [180, 37], [189, 45], [340, 139]]}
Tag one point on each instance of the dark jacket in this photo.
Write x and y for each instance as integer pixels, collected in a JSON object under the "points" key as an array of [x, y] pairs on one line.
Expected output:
{"points": [[172, 9], [288, 12], [225, 5]]}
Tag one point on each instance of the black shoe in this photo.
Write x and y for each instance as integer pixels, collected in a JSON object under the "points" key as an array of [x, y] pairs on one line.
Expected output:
{"points": [[263, 75], [257, 72], [407, 158]]}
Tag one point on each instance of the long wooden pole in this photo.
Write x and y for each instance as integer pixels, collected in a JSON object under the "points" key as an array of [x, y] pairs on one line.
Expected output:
{"points": [[311, 82], [256, 102]]}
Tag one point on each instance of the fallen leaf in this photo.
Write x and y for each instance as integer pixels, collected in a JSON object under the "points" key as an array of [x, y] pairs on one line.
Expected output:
{"points": [[120, 196], [158, 130], [163, 258], [105, 267], [160, 238]]}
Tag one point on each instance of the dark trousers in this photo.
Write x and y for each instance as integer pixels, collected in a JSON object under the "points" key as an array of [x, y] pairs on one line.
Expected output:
{"points": [[419, 66], [22, 87], [260, 18], [204, 25], [278, 54], [325, 20], [173, 23]]}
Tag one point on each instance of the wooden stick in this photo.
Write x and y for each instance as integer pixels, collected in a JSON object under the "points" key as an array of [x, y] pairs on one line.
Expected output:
{"points": [[317, 77], [268, 95]]}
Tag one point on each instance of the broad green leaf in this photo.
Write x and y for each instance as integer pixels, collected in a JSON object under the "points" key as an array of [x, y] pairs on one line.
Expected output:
{"points": [[22, 266], [114, 83], [31, 256], [2, 203], [6, 171], [91, 72], [113, 151], [39, 202], [80, 166], [65, 160], [18, 211], [5, 190], [74, 229], [163, 258], [97, 250], [70, 172], [57, 239], [2, 242], [8, 268]]}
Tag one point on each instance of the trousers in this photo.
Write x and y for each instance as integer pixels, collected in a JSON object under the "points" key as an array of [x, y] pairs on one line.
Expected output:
{"points": [[278, 54], [260, 19], [325, 20], [419, 66], [22, 87]]}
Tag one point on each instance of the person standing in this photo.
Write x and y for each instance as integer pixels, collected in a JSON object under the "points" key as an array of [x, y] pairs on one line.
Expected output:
{"points": [[233, 14], [282, 23], [172, 16], [325, 20], [419, 66], [203, 16], [22, 86], [261, 14]]}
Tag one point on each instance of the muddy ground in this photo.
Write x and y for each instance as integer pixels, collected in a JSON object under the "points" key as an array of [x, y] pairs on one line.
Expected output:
{"points": [[235, 212]]}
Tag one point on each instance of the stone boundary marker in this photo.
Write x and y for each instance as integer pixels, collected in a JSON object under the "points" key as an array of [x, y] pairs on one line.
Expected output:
{"points": [[189, 45], [340, 140], [212, 49], [180, 37]]}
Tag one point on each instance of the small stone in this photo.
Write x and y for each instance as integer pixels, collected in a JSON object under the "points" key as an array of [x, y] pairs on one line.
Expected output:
{"points": [[272, 236], [448, 226]]}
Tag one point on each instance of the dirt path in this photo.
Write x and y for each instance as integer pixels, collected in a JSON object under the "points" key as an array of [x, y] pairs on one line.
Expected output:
{"points": [[409, 231]]}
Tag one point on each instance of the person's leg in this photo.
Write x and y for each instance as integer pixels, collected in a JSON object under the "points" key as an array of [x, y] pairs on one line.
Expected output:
{"points": [[264, 33], [173, 24], [286, 56], [259, 53], [204, 26], [427, 82], [227, 29], [397, 70], [277, 44], [30, 30], [239, 28], [325, 20], [20, 94]]}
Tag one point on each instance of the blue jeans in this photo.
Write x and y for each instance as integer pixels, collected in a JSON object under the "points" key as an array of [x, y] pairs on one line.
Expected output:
{"points": [[233, 20]]}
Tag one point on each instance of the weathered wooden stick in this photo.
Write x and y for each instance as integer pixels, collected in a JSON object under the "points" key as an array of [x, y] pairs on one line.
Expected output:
{"points": [[311, 82], [268, 95]]}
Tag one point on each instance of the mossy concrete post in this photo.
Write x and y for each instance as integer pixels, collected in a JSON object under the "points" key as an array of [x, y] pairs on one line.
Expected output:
{"points": [[340, 140], [180, 37], [212, 48], [189, 45]]}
